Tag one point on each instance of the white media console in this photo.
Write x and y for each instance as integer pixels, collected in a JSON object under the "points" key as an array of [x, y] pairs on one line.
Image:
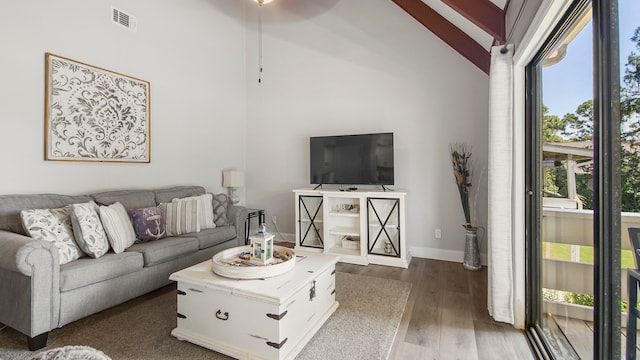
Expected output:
{"points": [[361, 226]]}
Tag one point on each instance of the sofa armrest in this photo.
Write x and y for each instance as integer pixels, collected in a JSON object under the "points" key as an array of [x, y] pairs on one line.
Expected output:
{"points": [[29, 284], [237, 215], [23, 254]]}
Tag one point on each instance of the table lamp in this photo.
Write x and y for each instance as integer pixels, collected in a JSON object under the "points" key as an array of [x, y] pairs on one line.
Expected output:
{"points": [[233, 179]]}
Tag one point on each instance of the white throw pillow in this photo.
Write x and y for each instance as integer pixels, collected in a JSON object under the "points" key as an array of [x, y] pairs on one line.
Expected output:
{"points": [[205, 202], [118, 227], [182, 216], [53, 225], [88, 230]]}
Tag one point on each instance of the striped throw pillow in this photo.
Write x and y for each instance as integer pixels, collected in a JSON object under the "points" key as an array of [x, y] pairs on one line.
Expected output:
{"points": [[205, 201], [182, 216], [117, 225]]}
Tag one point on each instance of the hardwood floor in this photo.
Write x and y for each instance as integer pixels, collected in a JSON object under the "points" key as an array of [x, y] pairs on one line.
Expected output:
{"points": [[446, 314]]}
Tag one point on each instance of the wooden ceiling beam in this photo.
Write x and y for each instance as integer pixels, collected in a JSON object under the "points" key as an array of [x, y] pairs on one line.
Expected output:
{"points": [[449, 33], [484, 14]]}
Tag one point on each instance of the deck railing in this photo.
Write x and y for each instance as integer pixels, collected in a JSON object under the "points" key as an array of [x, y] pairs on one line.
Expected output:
{"points": [[575, 227]]}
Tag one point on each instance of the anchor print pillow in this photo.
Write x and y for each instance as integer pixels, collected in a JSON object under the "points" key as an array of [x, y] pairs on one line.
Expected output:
{"points": [[148, 224]]}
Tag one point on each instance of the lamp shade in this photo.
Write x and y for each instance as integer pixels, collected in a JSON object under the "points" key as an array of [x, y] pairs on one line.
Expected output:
{"points": [[232, 178]]}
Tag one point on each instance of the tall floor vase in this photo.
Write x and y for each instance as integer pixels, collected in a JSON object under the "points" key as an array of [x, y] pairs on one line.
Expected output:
{"points": [[471, 249]]}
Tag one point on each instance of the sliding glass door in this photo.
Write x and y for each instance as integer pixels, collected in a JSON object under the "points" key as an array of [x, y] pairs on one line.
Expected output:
{"points": [[573, 205]]}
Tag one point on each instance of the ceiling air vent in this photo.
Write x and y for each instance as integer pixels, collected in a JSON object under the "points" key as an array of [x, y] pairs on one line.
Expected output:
{"points": [[122, 18]]}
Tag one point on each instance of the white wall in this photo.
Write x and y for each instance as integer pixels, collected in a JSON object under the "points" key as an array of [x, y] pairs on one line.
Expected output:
{"points": [[359, 66], [330, 67], [191, 51]]}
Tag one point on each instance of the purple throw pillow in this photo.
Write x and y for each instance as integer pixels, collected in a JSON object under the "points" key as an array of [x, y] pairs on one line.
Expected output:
{"points": [[148, 224]]}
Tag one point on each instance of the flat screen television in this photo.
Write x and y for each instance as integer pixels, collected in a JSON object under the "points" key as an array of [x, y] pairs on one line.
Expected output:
{"points": [[364, 159]]}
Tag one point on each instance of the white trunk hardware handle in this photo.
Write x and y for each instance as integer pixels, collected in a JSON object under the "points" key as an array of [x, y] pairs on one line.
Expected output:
{"points": [[222, 316], [181, 316], [312, 291], [276, 316], [276, 345]]}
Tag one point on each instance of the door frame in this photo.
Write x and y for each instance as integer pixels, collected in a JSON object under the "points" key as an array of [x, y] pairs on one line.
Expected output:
{"points": [[606, 181]]}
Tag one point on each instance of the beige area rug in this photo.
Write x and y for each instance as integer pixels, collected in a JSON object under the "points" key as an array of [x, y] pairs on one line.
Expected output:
{"points": [[363, 327]]}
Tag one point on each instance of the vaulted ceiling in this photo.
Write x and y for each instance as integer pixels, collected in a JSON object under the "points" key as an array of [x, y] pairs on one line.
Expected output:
{"points": [[470, 27]]}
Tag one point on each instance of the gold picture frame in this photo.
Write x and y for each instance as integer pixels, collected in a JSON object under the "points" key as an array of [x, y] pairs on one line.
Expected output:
{"points": [[93, 114]]}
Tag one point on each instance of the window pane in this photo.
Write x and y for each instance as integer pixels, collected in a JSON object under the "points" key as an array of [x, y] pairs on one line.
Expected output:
{"points": [[629, 27], [567, 193]]}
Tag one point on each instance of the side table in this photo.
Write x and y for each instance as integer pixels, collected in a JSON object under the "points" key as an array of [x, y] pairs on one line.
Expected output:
{"points": [[252, 213]]}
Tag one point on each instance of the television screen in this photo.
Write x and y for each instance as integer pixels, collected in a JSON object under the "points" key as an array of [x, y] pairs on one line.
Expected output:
{"points": [[365, 159]]}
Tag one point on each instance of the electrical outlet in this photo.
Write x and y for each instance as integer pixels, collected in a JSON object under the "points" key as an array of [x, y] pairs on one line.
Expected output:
{"points": [[438, 234], [274, 220]]}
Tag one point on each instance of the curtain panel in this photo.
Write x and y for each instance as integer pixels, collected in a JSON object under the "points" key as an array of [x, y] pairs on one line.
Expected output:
{"points": [[500, 293]]}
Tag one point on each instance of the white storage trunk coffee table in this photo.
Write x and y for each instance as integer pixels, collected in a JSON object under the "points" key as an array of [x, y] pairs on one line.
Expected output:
{"points": [[270, 318]]}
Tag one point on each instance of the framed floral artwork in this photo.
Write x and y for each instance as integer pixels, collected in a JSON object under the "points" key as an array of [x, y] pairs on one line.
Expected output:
{"points": [[93, 114]]}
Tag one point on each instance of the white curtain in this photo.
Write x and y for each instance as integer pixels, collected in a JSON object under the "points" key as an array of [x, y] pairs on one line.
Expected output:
{"points": [[499, 228]]}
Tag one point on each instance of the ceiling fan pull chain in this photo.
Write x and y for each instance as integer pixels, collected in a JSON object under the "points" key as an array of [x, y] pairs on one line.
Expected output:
{"points": [[260, 43]]}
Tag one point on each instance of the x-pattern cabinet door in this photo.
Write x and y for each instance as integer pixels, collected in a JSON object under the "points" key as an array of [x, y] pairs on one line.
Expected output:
{"points": [[383, 226], [310, 221]]}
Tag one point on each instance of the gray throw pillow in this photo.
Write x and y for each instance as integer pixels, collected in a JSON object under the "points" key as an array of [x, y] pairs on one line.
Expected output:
{"points": [[220, 204]]}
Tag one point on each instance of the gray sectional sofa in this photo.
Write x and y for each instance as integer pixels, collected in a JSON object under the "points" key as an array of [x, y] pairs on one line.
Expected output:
{"points": [[38, 295]]}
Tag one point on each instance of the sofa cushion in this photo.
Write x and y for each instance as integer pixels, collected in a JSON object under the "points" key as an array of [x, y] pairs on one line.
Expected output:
{"points": [[220, 204], [148, 224], [53, 225], [11, 205], [89, 271], [117, 225], [182, 216], [177, 192], [88, 230], [157, 252], [211, 237], [130, 199]]}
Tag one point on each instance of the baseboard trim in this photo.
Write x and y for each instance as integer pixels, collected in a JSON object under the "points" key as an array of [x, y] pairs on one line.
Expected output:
{"points": [[442, 254], [417, 251]]}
